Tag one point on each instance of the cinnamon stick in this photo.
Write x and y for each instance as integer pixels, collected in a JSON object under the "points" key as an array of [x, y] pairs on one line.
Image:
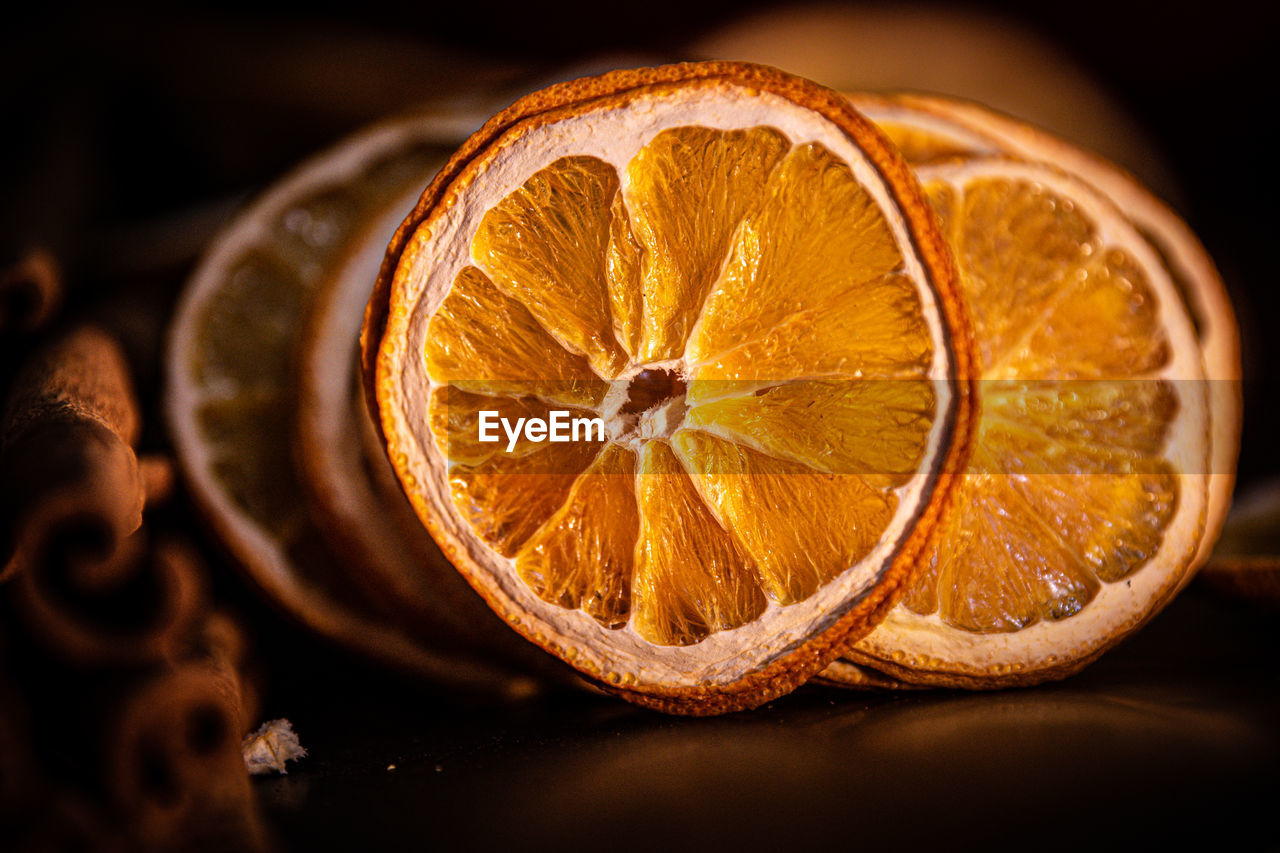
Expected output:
{"points": [[174, 767], [30, 292], [94, 605], [67, 438], [137, 698]]}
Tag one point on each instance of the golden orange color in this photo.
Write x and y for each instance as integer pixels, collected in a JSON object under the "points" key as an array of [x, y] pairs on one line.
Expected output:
{"points": [[1103, 462], [736, 273]]}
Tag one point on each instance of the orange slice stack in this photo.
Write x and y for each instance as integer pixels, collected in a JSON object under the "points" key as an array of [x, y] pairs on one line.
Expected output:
{"points": [[732, 284]]}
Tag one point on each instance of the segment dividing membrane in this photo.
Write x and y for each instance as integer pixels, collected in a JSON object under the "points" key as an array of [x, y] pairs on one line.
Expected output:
{"points": [[725, 280]]}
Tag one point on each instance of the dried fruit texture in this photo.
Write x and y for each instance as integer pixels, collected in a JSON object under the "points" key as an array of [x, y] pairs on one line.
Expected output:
{"points": [[690, 188], [675, 605], [811, 289], [772, 281], [486, 340], [584, 557], [1068, 488], [545, 246], [724, 248], [765, 501]]}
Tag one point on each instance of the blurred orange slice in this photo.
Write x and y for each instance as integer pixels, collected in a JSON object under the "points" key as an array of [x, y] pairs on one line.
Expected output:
{"points": [[232, 396]]}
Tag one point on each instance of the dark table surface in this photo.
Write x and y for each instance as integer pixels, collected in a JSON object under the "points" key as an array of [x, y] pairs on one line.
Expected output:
{"points": [[1174, 737]]}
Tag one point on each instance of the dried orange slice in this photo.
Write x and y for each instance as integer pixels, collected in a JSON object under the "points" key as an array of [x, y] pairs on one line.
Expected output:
{"points": [[927, 128], [1084, 503], [729, 274]]}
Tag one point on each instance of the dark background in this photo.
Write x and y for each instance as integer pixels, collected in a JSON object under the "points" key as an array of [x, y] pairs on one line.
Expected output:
{"points": [[131, 135]]}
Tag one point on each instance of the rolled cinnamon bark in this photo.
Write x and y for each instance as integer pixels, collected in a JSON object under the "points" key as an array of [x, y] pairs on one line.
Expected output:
{"points": [[67, 437], [93, 605], [173, 763], [133, 684], [72, 493], [30, 292], [221, 643]]}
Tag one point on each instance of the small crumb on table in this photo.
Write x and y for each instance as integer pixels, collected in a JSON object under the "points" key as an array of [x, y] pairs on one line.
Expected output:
{"points": [[267, 749]]}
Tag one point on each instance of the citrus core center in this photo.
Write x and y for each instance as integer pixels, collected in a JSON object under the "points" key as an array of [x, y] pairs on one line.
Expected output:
{"points": [[649, 405]]}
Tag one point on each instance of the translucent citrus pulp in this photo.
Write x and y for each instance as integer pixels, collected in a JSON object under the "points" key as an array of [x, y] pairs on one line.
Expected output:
{"points": [[730, 270], [1084, 504]]}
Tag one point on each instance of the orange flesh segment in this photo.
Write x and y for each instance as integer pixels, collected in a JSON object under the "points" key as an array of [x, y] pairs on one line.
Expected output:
{"points": [[721, 235], [692, 578], [877, 429], [1072, 427], [689, 188], [873, 332], [507, 498], [583, 557], [801, 527], [795, 262], [622, 268], [544, 246], [482, 340]]}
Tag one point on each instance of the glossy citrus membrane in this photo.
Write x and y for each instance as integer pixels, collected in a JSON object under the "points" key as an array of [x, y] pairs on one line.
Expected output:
{"points": [[1085, 496], [931, 128], [703, 268]]}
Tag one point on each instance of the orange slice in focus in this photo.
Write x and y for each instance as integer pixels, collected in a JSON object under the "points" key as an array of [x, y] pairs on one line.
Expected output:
{"points": [[726, 281]]}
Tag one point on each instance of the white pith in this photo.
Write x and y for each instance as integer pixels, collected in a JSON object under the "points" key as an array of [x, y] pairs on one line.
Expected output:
{"points": [[927, 643], [441, 247]]}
